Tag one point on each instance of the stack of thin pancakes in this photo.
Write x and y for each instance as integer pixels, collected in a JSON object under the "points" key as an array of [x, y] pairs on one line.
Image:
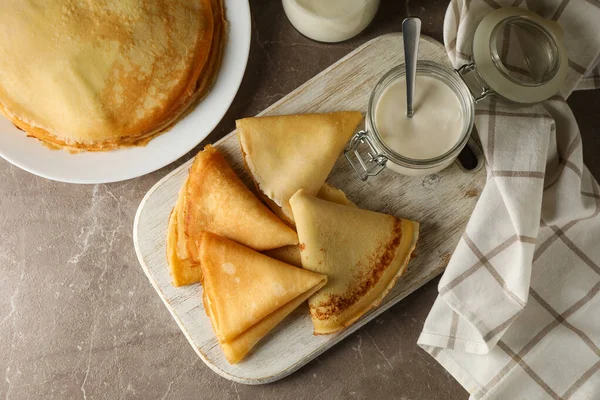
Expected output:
{"points": [[105, 74], [254, 267]]}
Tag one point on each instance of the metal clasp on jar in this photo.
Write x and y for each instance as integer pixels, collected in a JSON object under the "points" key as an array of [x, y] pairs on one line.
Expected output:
{"points": [[375, 162], [483, 90]]}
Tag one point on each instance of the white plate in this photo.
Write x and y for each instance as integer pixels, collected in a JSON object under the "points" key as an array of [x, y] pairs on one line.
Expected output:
{"points": [[30, 155]]}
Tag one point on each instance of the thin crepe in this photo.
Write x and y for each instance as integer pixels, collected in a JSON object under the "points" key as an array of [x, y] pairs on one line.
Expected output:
{"points": [[97, 75], [247, 293], [291, 152], [183, 271], [179, 220], [362, 252], [291, 254], [216, 200]]}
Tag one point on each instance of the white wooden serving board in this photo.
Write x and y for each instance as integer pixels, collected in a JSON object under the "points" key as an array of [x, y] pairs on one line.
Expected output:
{"points": [[442, 202]]}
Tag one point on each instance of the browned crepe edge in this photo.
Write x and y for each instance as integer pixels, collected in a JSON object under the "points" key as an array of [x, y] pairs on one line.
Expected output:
{"points": [[377, 302]]}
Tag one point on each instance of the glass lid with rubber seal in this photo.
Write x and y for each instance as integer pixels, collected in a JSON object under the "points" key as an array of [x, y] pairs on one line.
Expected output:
{"points": [[518, 55]]}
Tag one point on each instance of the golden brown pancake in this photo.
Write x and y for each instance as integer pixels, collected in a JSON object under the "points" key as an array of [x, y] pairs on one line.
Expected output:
{"points": [[362, 252], [287, 254], [214, 199], [101, 75], [181, 243], [291, 152], [183, 271], [247, 293], [291, 254]]}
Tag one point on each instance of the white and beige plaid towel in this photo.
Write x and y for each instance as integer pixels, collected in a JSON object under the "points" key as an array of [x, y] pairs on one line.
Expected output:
{"points": [[518, 311]]}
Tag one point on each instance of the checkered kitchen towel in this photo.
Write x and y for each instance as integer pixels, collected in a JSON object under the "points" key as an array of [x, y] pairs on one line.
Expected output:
{"points": [[518, 311]]}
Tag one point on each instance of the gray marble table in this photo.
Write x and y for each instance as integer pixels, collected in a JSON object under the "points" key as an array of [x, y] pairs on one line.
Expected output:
{"points": [[78, 319]]}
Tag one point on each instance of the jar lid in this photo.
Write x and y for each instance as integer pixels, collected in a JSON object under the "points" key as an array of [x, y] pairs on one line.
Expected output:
{"points": [[520, 55]]}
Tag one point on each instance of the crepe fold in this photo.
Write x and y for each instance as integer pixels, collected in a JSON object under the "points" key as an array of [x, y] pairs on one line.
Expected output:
{"points": [[291, 152], [287, 254], [362, 252], [94, 76], [184, 271], [214, 199], [291, 254], [246, 294], [335, 195]]}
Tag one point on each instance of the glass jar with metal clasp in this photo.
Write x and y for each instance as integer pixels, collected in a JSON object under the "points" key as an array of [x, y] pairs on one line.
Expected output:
{"points": [[533, 71]]}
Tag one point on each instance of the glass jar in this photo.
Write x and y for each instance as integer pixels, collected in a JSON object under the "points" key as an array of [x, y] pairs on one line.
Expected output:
{"points": [[380, 155], [330, 21], [492, 72]]}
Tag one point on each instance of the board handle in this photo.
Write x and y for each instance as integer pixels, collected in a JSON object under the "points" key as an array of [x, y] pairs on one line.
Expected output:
{"points": [[374, 163]]}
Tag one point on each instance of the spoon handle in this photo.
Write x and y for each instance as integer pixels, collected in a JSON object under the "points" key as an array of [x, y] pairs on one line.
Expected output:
{"points": [[411, 30]]}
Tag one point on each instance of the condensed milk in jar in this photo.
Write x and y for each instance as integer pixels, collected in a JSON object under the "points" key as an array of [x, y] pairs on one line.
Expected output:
{"points": [[430, 140]]}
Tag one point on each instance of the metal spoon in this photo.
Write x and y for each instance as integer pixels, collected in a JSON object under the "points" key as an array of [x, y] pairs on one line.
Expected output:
{"points": [[411, 30]]}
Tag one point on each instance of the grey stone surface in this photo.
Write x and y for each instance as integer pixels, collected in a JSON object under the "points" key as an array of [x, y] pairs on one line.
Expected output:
{"points": [[78, 319]]}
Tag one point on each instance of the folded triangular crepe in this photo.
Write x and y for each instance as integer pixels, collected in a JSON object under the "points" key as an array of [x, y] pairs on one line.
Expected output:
{"points": [[362, 252], [216, 200], [291, 152], [183, 270], [291, 254], [181, 243], [213, 198], [247, 293]]}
